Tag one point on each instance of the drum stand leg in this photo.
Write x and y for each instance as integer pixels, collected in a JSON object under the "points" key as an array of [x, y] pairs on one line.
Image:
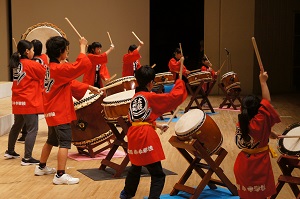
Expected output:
{"points": [[195, 147], [200, 94], [287, 164], [230, 98], [90, 152], [118, 142]]}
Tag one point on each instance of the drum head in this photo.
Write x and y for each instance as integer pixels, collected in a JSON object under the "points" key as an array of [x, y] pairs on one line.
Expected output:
{"points": [[189, 122], [42, 32], [119, 97], [290, 146]]}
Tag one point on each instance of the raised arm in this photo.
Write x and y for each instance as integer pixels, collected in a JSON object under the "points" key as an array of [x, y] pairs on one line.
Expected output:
{"points": [[263, 77]]}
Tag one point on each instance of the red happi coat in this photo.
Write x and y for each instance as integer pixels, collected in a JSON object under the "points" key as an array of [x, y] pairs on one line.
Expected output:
{"points": [[144, 146], [131, 63], [212, 72], [59, 88], [26, 88], [253, 173], [97, 61]]}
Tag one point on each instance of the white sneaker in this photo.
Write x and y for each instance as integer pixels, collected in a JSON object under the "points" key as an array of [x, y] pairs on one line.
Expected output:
{"points": [[45, 171], [65, 179]]}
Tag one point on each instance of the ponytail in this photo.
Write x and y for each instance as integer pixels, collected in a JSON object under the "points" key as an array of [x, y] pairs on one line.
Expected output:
{"points": [[14, 60]]}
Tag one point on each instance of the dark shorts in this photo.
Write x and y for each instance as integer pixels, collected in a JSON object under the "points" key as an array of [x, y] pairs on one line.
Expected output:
{"points": [[60, 135]]}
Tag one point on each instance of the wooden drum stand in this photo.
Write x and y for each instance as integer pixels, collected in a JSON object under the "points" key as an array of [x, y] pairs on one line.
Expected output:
{"points": [[196, 148], [118, 142], [287, 164]]}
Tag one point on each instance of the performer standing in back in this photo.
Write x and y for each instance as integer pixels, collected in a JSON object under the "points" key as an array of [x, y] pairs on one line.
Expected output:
{"points": [[252, 168], [175, 63], [131, 60], [99, 70], [144, 146]]}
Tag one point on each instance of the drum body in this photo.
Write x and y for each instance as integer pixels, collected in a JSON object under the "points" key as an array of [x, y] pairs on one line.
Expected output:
{"points": [[195, 78], [117, 105], [290, 146], [231, 82], [163, 78], [195, 124], [90, 128], [42, 32], [128, 83]]}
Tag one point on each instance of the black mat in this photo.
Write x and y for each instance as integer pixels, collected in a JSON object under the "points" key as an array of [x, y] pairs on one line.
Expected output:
{"points": [[107, 174]]}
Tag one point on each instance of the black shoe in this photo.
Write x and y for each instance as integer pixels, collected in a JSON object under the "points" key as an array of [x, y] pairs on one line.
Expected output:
{"points": [[22, 139], [124, 195], [11, 155], [30, 161]]}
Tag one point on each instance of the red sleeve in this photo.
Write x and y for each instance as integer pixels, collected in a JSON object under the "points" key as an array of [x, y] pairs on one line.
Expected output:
{"points": [[70, 71], [174, 66], [169, 101], [98, 59], [131, 57], [78, 89], [104, 73]]}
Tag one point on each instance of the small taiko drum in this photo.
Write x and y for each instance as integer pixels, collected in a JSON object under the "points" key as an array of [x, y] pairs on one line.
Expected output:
{"points": [[231, 82], [195, 78], [117, 105], [195, 124], [42, 32], [90, 128], [128, 83], [290, 146], [164, 78]]}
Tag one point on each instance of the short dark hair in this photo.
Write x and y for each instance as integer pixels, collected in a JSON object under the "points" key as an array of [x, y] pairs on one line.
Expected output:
{"points": [[55, 46], [132, 47], [91, 47], [38, 46], [144, 75]]}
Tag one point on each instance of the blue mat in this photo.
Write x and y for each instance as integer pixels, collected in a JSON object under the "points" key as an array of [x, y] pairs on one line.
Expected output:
{"points": [[166, 119], [207, 193]]}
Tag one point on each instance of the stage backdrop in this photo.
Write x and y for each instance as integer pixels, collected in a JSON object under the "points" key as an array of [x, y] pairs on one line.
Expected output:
{"points": [[92, 19]]}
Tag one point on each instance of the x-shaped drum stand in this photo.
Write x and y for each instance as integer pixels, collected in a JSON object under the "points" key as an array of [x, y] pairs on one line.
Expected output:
{"points": [[200, 94], [230, 97], [118, 142], [195, 148], [287, 164]]}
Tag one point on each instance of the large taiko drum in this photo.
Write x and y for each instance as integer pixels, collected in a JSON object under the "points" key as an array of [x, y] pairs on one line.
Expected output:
{"points": [[195, 124], [90, 128], [128, 83], [42, 32], [163, 78], [231, 82], [290, 146], [117, 105], [196, 77]]}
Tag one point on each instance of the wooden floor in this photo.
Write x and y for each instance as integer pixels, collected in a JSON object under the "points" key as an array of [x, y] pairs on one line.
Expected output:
{"points": [[18, 181]]}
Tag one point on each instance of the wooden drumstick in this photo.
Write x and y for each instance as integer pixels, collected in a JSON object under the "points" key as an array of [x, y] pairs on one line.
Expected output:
{"points": [[110, 86], [222, 65], [15, 42], [257, 54], [171, 118], [153, 65], [136, 37], [111, 77], [181, 65], [109, 38], [289, 136], [107, 87], [207, 60], [73, 27]]}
